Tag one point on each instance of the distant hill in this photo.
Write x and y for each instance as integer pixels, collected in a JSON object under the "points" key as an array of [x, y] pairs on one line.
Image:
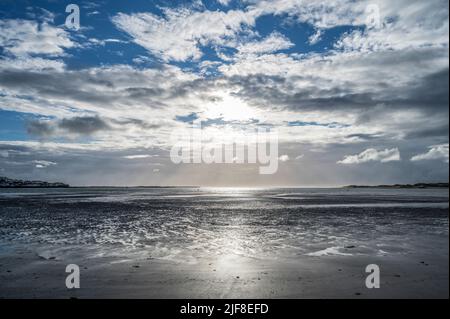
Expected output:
{"points": [[419, 185], [15, 183]]}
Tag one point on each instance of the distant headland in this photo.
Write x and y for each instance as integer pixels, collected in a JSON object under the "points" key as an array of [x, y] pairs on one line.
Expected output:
{"points": [[16, 183], [419, 185]]}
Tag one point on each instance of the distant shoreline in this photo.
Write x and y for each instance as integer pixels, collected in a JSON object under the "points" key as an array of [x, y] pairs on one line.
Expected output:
{"points": [[16, 183], [402, 186], [8, 183]]}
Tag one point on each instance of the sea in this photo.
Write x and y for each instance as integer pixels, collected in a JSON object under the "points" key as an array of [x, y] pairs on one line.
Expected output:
{"points": [[186, 225]]}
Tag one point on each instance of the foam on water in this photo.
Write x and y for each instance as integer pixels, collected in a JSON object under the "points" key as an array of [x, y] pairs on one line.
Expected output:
{"points": [[329, 251]]}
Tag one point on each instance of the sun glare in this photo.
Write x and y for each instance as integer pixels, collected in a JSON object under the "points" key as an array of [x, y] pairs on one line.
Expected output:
{"points": [[230, 108]]}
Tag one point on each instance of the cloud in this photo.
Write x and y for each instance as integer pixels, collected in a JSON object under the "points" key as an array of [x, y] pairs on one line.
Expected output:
{"points": [[372, 155], [436, 152], [25, 37], [400, 30], [372, 87], [80, 125], [179, 33], [134, 157], [44, 164], [224, 2], [315, 38], [273, 43], [116, 87], [83, 125], [32, 64], [40, 128], [284, 158]]}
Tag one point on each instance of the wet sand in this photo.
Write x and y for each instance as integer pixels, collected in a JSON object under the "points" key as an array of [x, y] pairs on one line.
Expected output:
{"points": [[206, 243], [24, 274]]}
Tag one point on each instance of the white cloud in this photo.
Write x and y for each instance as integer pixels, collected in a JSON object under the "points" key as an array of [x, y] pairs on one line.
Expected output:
{"points": [[273, 43], [372, 155], [275, 87], [31, 64], [315, 38], [224, 2], [178, 35], [321, 14], [436, 152], [44, 164], [284, 158], [133, 157], [301, 156], [140, 59], [26, 37]]}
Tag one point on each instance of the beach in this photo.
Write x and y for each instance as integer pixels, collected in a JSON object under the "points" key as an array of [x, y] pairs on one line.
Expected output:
{"points": [[223, 243]]}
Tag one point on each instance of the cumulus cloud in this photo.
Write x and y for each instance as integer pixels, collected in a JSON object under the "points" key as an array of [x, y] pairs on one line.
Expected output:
{"points": [[436, 152], [372, 155]]}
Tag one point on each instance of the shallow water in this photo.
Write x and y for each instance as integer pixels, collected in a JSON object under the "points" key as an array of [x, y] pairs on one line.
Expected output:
{"points": [[185, 225]]}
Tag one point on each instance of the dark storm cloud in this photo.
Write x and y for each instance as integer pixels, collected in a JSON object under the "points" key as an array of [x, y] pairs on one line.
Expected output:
{"points": [[86, 125], [429, 94], [56, 84], [83, 125], [440, 131], [278, 92], [431, 91], [40, 128], [104, 86]]}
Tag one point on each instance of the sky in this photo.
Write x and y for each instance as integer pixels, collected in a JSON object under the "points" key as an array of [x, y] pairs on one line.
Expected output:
{"points": [[357, 91]]}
